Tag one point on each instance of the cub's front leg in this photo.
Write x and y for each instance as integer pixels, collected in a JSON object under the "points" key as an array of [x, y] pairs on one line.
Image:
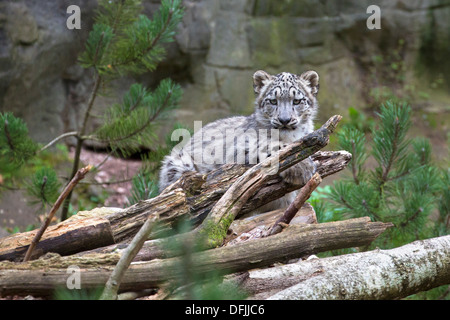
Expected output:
{"points": [[300, 173]]}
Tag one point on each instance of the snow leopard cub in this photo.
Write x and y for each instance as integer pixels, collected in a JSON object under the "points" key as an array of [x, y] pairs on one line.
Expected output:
{"points": [[285, 106]]}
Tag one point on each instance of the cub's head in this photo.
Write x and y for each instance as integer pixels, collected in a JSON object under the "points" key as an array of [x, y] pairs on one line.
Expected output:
{"points": [[286, 101]]}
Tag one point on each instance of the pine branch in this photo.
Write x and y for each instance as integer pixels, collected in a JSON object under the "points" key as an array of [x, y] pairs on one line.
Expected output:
{"points": [[393, 152], [412, 218], [146, 50], [142, 45], [16, 146], [118, 14], [8, 135], [147, 123], [129, 125]]}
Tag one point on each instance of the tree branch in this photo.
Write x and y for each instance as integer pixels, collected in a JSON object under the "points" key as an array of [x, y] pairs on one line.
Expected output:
{"points": [[113, 283], [78, 176], [247, 185], [299, 201], [60, 137]]}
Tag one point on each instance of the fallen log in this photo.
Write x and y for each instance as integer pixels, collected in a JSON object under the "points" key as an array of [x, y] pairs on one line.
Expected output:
{"points": [[240, 230], [42, 276], [79, 175], [379, 274]]}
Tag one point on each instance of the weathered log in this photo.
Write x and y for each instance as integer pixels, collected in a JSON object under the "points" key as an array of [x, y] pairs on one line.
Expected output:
{"points": [[379, 274], [243, 228], [41, 277], [250, 227], [220, 180], [161, 248], [68, 237]]}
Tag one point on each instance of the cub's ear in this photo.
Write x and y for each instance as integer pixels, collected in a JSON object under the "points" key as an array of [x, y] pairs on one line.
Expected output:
{"points": [[260, 79], [312, 79]]}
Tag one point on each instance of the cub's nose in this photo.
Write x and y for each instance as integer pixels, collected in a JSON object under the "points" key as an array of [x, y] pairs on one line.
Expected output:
{"points": [[284, 120]]}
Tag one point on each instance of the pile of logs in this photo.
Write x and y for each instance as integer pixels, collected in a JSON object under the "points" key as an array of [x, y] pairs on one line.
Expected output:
{"points": [[221, 237]]}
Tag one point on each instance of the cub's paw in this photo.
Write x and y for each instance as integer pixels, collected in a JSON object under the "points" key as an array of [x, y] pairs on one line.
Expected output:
{"points": [[299, 174]]}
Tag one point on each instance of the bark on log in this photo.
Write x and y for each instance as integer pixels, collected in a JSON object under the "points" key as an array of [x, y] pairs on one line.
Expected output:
{"points": [[242, 228], [257, 226], [245, 229], [41, 277], [379, 274], [68, 237]]}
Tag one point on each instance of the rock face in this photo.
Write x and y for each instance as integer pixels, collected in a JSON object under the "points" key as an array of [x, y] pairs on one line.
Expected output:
{"points": [[220, 44], [38, 69]]}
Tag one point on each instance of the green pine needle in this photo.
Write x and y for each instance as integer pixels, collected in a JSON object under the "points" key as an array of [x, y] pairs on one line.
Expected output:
{"points": [[16, 147], [143, 187], [96, 54], [403, 188], [390, 144], [131, 124]]}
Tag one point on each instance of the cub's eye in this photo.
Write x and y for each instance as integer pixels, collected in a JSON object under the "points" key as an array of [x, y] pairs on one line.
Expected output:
{"points": [[273, 101], [299, 101]]}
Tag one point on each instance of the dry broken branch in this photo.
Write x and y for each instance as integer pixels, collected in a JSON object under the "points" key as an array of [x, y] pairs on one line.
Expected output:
{"points": [[80, 174], [113, 283], [293, 208]]}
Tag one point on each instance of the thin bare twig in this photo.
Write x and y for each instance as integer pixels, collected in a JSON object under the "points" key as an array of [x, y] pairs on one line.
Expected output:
{"points": [[113, 283], [62, 136], [78, 176], [299, 201]]}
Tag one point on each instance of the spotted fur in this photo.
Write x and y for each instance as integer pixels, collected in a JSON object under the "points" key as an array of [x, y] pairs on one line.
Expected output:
{"points": [[285, 101]]}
